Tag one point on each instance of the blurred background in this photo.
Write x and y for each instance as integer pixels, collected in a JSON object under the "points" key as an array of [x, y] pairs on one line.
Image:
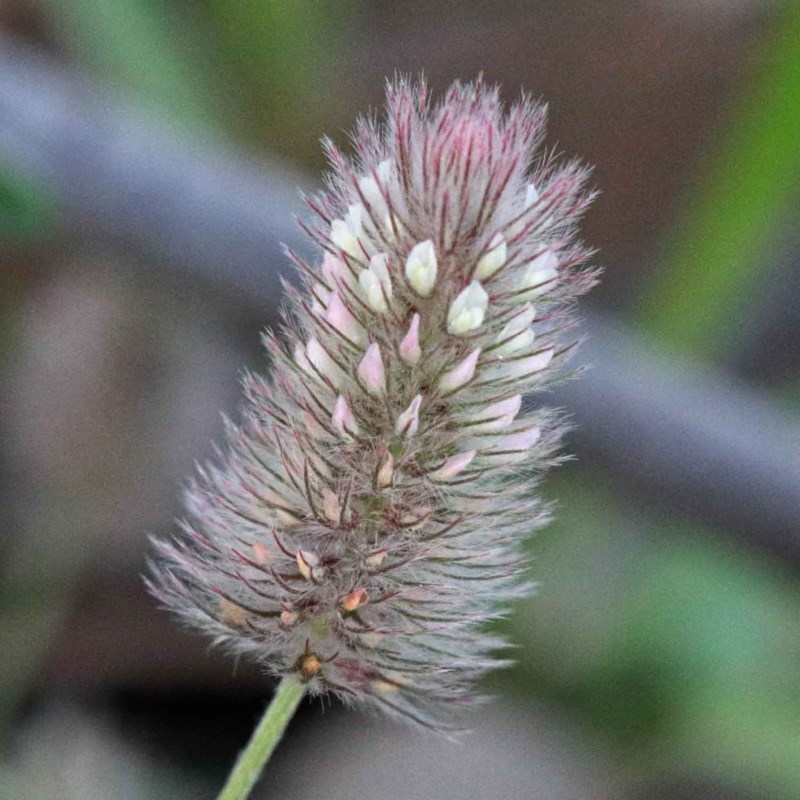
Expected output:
{"points": [[150, 152]]}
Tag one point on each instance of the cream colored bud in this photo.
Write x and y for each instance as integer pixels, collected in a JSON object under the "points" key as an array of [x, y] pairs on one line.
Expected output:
{"points": [[385, 472], [408, 422], [517, 335], [285, 519], [344, 238], [354, 218], [421, 268], [467, 310], [379, 265], [376, 559], [376, 284], [493, 259], [538, 277], [331, 507], [308, 564], [371, 188], [345, 233], [372, 291], [381, 688]]}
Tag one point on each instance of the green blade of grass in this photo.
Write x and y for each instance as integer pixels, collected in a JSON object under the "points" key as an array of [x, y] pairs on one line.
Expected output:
{"points": [[714, 256]]}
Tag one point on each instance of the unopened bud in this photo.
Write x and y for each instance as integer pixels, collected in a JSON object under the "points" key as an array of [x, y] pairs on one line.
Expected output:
{"points": [[532, 198], [494, 258], [517, 334], [539, 276], [354, 600], [370, 185], [376, 559], [421, 268], [409, 346], [514, 447], [331, 506], [385, 472], [260, 554], [343, 420], [308, 564], [467, 310], [343, 238], [415, 517], [324, 365], [453, 466], [310, 665], [408, 422], [338, 316], [335, 271], [289, 617], [376, 284], [380, 687], [499, 416], [231, 613], [371, 371], [520, 367], [461, 374]]}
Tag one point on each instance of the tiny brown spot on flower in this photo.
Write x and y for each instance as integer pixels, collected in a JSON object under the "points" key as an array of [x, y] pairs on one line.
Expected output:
{"points": [[289, 617], [231, 613], [381, 687], [355, 600], [310, 665], [260, 554]]}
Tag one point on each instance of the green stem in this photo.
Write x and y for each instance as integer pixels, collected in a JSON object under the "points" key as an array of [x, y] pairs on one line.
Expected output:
{"points": [[265, 738]]}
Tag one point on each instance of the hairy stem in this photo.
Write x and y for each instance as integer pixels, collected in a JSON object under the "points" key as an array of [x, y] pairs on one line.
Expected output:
{"points": [[265, 738]]}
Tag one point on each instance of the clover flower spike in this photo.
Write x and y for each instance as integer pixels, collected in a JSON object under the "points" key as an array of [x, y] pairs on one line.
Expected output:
{"points": [[367, 516]]}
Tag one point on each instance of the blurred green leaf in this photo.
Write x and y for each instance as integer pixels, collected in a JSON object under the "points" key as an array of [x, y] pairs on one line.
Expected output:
{"points": [[285, 55], [25, 210], [141, 45], [661, 634], [715, 256]]}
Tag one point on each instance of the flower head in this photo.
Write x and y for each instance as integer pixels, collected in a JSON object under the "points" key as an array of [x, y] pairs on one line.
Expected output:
{"points": [[367, 516]]}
